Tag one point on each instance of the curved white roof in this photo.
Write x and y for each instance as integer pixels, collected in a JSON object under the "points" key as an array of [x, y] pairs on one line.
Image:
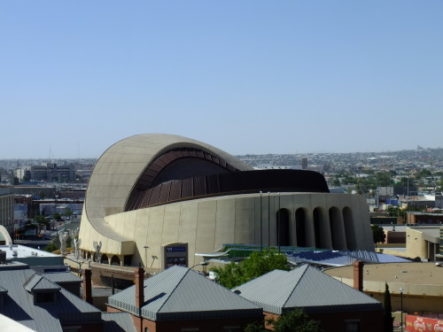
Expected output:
{"points": [[122, 164]]}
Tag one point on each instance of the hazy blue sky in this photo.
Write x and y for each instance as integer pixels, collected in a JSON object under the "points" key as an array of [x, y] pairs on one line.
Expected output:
{"points": [[246, 76]]}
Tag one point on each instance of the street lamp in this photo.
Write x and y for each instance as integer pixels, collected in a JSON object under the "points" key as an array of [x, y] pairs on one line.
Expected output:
{"points": [[401, 309]]}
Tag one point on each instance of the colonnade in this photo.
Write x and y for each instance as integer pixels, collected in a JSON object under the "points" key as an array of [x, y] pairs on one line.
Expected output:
{"points": [[331, 228]]}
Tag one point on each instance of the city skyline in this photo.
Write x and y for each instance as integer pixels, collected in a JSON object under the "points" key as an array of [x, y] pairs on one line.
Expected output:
{"points": [[251, 77]]}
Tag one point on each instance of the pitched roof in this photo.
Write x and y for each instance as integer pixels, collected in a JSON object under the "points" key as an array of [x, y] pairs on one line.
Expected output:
{"points": [[62, 277], [118, 322], [46, 316], [38, 283], [181, 293], [304, 287]]}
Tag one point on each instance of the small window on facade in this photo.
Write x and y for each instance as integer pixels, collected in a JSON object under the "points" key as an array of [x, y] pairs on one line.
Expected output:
{"points": [[44, 297], [352, 325], [146, 329]]}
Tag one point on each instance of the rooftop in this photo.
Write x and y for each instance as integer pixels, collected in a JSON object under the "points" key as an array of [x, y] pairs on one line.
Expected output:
{"points": [[304, 287], [413, 277], [19, 251], [46, 316], [181, 293]]}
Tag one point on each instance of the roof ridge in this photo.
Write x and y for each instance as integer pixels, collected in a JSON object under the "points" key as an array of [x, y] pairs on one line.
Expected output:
{"points": [[295, 286], [30, 278], [175, 287]]}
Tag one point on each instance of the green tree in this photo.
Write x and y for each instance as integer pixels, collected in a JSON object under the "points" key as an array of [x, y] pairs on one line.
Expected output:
{"points": [[57, 216], [383, 179], [296, 321], [388, 319], [257, 264], [293, 321], [52, 246], [67, 212], [378, 234], [255, 327]]}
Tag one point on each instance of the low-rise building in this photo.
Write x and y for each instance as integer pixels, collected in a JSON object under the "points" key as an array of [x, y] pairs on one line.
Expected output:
{"points": [[42, 305], [181, 299], [414, 217], [420, 285], [335, 305]]}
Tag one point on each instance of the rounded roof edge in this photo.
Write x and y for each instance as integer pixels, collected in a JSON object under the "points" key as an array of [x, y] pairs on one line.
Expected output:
{"points": [[121, 164]]}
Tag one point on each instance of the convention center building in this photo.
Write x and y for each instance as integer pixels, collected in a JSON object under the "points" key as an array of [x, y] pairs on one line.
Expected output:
{"points": [[158, 199]]}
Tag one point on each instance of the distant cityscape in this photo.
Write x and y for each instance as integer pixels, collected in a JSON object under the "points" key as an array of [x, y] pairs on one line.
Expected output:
{"points": [[42, 202]]}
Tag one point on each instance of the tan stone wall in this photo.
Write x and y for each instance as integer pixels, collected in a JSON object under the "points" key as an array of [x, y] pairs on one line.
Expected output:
{"points": [[415, 244], [206, 224]]}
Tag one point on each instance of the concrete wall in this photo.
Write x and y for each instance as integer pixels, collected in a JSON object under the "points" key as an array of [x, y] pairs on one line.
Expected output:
{"points": [[206, 224]]}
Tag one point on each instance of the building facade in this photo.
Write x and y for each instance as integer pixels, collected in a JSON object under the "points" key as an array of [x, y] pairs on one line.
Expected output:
{"points": [[157, 195], [7, 209]]}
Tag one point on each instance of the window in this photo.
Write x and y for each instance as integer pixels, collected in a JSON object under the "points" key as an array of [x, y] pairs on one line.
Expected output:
{"points": [[352, 325], [44, 297]]}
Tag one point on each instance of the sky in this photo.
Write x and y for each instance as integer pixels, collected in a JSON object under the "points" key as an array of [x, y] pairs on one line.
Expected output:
{"points": [[245, 76]]}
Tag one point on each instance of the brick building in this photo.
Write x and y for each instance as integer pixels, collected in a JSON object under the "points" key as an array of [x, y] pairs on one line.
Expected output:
{"points": [[335, 305], [181, 299]]}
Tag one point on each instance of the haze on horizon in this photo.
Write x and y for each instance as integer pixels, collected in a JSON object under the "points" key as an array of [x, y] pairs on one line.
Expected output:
{"points": [[248, 77]]}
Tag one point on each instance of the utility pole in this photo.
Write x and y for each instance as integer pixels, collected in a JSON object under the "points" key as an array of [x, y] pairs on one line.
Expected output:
{"points": [[261, 221]]}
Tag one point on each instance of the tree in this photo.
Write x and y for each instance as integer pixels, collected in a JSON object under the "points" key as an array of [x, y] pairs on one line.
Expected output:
{"points": [[57, 216], [257, 264], [388, 319], [378, 234], [255, 327], [293, 321], [67, 212]]}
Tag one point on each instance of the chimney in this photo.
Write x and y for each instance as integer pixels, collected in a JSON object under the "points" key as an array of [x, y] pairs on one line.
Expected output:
{"points": [[87, 289], [358, 275], [139, 287]]}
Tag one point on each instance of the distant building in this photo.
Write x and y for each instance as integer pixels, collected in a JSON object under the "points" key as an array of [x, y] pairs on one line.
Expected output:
{"points": [[37, 192], [413, 217], [304, 163], [7, 209], [52, 173], [420, 285]]}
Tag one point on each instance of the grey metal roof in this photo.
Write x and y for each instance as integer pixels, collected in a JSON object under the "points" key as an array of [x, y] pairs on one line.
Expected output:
{"points": [[181, 293], [37, 283], [304, 287], [118, 322], [62, 277], [47, 316]]}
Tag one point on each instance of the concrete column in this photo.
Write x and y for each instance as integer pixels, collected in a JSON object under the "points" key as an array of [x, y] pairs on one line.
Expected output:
{"points": [[309, 228], [121, 258], [292, 229], [324, 229], [338, 231]]}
